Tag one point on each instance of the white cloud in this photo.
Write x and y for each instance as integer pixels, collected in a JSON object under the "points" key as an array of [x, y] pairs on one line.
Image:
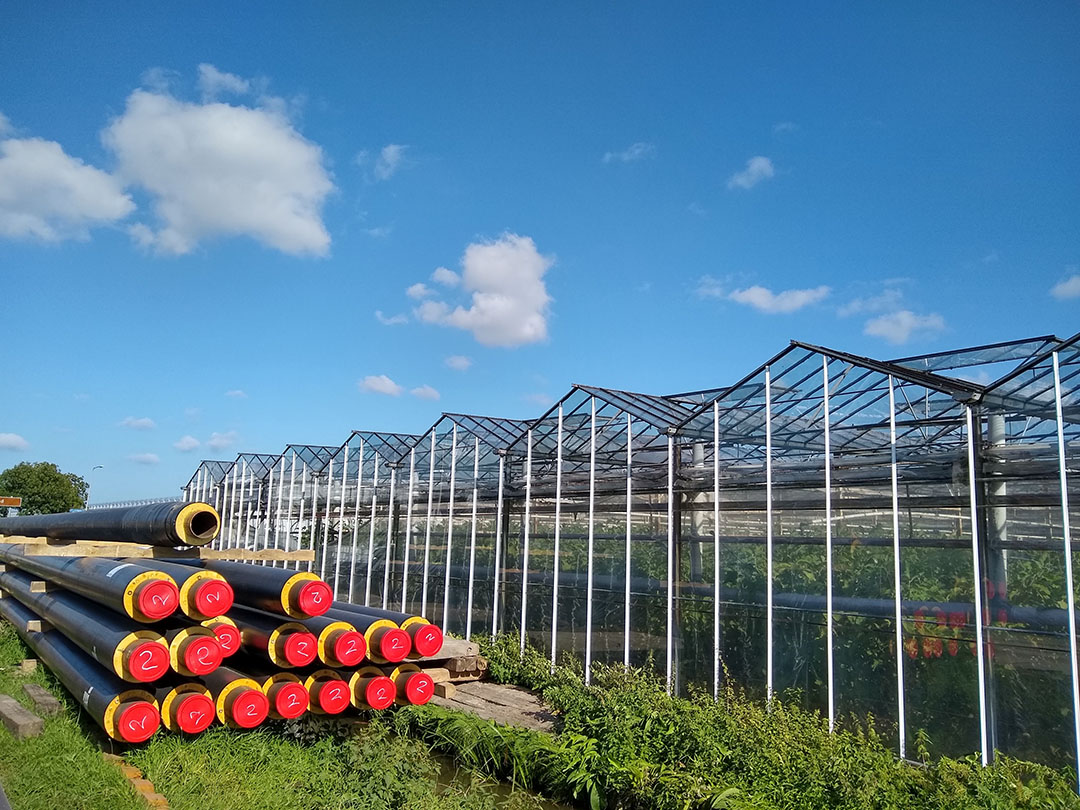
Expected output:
{"points": [[509, 300], [216, 169], [697, 210], [786, 301], [757, 169], [46, 194], [709, 287], [784, 126], [5, 125], [379, 231], [1069, 288], [390, 159], [214, 82], [900, 327], [889, 299], [13, 441], [419, 290], [142, 423], [631, 154], [425, 392], [459, 362], [219, 441], [391, 320], [145, 458], [236, 393], [186, 444], [380, 384], [446, 277]]}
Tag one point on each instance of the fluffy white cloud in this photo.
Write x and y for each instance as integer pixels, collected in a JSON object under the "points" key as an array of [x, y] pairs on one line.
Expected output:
{"points": [[390, 320], [380, 384], [142, 423], [900, 327], [389, 160], [145, 458], [419, 290], [1069, 288], [215, 169], [219, 441], [781, 303], [236, 393], [446, 277], [888, 299], [46, 194], [425, 392], [459, 362], [13, 441], [186, 444], [709, 287], [5, 124], [509, 300], [214, 82], [631, 154], [757, 169]]}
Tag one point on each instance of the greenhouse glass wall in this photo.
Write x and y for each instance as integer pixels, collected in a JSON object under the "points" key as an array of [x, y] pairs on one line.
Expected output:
{"points": [[860, 536]]}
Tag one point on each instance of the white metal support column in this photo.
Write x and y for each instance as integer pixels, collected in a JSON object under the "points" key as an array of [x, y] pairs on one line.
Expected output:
{"points": [[629, 531], [326, 517], [356, 520], [472, 539], [371, 529], [449, 528], [829, 639], [280, 500], [669, 649], [592, 533], [266, 514], [300, 519], [1067, 536], [230, 495], [292, 495], [408, 530], [980, 650], [716, 549], [525, 545], [340, 518], [558, 537], [389, 538], [498, 552], [427, 527], [898, 618], [768, 539]]}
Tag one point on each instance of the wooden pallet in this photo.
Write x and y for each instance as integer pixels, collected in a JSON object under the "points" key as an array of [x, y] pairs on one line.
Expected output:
{"points": [[50, 547], [503, 704]]}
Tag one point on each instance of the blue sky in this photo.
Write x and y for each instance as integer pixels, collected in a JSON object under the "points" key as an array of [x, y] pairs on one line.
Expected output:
{"points": [[222, 231]]}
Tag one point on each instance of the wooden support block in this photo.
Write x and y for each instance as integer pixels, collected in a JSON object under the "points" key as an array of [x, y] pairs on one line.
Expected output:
{"points": [[464, 663], [445, 690], [28, 666], [20, 721], [438, 674], [42, 699]]}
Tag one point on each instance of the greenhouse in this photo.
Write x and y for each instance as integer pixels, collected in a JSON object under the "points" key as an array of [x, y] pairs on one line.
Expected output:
{"points": [[857, 535]]}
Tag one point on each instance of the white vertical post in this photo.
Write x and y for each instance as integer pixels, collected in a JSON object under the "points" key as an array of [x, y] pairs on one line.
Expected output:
{"points": [[716, 549], [371, 528], [629, 529], [669, 646], [240, 504], [233, 504], [356, 520], [558, 537], [228, 501], [292, 495], [984, 731], [278, 515], [768, 538], [427, 527], [300, 517], [898, 618], [498, 550], [525, 545], [450, 527], [326, 517], [472, 539], [1070, 599], [389, 537], [408, 530], [313, 520], [592, 532], [340, 518], [266, 514], [830, 672]]}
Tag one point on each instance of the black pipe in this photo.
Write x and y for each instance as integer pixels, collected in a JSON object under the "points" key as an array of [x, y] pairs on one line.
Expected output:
{"points": [[194, 650], [386, 642], [297, 595], [128, 715], [186, 707], [146, 596], [285, 691], [286, 644], [371, 688], [426, 638], [203, 594], [328, 692], [238, 700], [116, 642], [340, 644], [152, 524]]}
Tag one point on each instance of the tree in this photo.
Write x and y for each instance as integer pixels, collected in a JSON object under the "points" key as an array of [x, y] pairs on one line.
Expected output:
{"points": [[43, 487]]}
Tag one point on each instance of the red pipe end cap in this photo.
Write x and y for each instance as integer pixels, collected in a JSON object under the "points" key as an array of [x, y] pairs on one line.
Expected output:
{"points": [[157, 599], [350, 648], [333, 696], [148, 661], [213, 597], [419, 688], [428, 640], [194, 713], [249, 708], [379, 692], [228, 638], [394, 645], [138, 722], [314, 597], [300, 649], [290, 699], [202, 655]]}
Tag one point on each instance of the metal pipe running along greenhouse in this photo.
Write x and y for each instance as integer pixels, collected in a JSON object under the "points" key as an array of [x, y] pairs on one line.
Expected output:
{"points": [[859, 536]]}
